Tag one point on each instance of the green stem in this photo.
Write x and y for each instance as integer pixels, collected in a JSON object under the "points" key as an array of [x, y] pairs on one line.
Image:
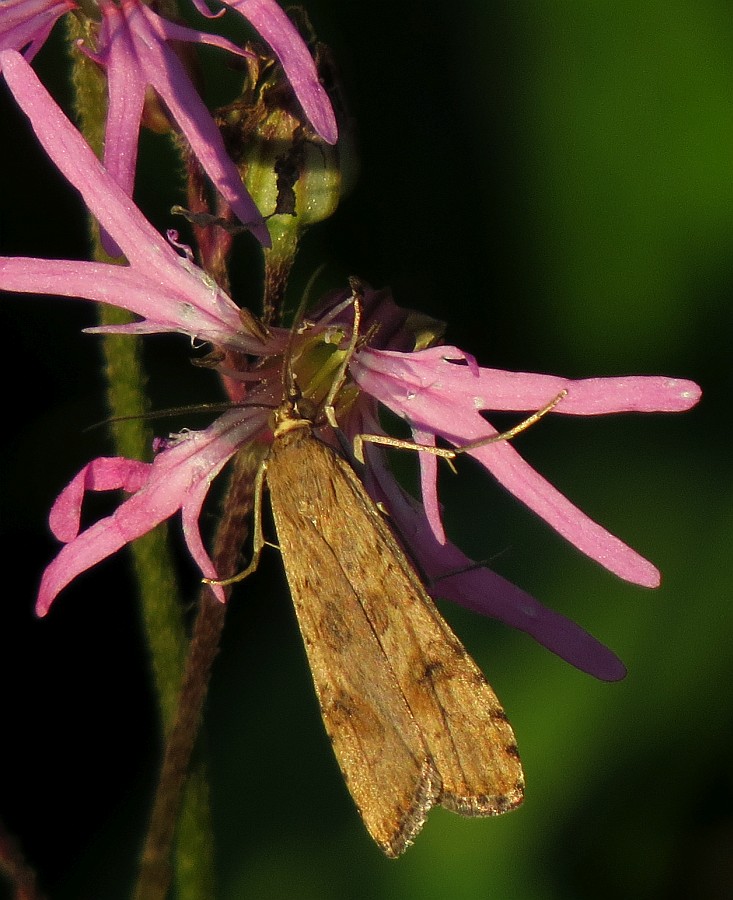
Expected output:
{"points": [[153, 565]]}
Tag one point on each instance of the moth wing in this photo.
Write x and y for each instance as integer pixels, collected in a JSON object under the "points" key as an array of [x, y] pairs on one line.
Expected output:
{"points": [[375, 738], [460, 717]]}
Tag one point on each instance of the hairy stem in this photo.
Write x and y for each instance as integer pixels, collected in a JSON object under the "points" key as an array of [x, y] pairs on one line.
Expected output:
{"points": [[155, 869]]}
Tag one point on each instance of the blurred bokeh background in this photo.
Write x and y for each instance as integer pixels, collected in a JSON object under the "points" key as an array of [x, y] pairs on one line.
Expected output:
{"points": [[555, 180]]}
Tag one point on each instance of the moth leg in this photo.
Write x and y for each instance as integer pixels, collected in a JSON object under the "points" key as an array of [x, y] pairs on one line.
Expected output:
{"points": [[445, 453], [386, 441], [357, 293], [258, 538]]}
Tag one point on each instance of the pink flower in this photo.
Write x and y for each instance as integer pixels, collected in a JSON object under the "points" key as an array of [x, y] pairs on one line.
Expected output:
{"points": [[179, 478], [134, 49], [25, 24], [169, 292], [440, 397], [440, 391]]}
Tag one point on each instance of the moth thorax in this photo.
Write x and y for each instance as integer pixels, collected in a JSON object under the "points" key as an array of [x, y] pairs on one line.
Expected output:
{"points": [[306, 408], [288, 418]]}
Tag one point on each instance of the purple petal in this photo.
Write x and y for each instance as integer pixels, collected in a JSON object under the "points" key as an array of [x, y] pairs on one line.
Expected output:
{"points": [[178, 478], [165, 308], [190, 515], [126, 86], [482, 590], [25, 24], [125, 103], [135, 51], [300, 70], [429, 484], [435, 394], [443, 376], [66, 147], [165, 288], [485, 592], [101, 474], [527, 485]]}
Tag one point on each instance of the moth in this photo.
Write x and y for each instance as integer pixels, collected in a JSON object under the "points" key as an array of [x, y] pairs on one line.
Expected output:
{"points": [[411, 718]]}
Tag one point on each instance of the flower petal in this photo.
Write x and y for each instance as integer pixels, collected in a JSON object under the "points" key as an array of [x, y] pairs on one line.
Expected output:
{"points": [[25, 24], [168, 310], [482, 590], [135, 51], [169, 291], [179, 477], [138, 239], [527, 485], [438, 390], [280, 33], [440, 377], [429, 484], [102, 474]]}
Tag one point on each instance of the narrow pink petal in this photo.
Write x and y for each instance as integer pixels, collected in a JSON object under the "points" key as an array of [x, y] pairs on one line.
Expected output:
{"points": [[160, 285], [25, 24], [363, 421], [300, 70], [190, 515], [101, 474], [487, 593], [126, 93], [429, 484], [527, 485], [437, 395], [137, 46], [90, 547], [163, 272], [214, 319], [172, 31], [140, 242], [632, 393], [482, 590], [206, 142], [126, 99], [443, 376], [178, 476]]}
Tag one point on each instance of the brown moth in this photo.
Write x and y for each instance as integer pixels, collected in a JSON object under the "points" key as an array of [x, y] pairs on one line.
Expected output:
{"points": [[412, 720]]}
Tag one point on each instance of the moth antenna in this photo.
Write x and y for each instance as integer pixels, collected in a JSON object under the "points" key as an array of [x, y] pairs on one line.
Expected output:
{"points": [[221, 406]]}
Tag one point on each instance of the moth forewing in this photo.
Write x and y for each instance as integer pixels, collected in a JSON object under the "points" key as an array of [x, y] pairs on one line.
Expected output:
{"points": [[411, 718], [459, 716], [379, 746]]}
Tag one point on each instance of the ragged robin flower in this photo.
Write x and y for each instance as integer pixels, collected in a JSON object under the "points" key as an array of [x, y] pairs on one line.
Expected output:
{"points": [[134, 46], [440, 391]]}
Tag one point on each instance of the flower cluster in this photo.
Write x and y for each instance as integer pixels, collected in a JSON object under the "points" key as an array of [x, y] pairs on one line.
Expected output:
{"points": [[132, 45], [440, 391]]}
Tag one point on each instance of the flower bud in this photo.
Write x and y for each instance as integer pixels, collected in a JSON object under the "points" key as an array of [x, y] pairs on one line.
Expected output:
{"points": [[295, 178]]}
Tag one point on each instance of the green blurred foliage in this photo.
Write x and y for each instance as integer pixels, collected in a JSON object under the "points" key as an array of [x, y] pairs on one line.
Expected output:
{"points": [[556, 181]]}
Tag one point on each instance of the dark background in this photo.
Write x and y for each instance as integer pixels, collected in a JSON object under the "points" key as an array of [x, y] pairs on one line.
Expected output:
{"points": [[555, 181]]}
